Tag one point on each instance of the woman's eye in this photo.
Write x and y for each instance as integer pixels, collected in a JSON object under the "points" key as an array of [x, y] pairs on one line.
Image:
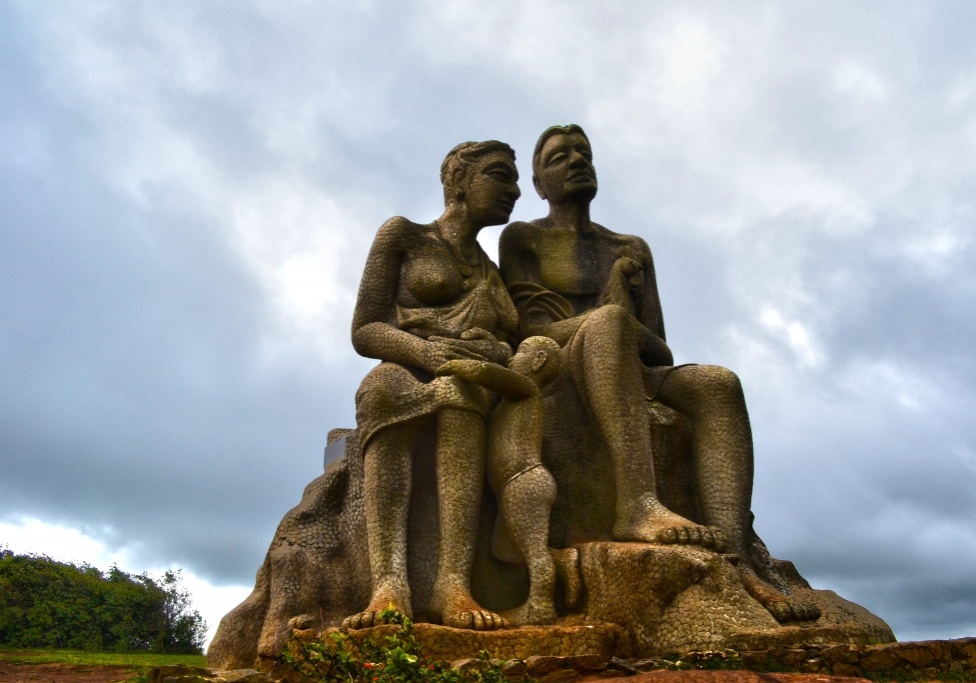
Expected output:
{"points": [[501, 176]]}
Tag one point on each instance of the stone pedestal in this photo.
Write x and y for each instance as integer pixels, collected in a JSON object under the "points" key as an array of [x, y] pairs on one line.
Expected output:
{"points": [[672, 599]]}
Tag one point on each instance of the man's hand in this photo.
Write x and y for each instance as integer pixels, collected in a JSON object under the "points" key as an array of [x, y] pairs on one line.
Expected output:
{"points": [[625, 284]]}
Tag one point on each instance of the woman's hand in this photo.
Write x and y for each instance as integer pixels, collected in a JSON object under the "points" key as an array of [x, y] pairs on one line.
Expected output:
{"points": [[475, 344], [487, 344]]}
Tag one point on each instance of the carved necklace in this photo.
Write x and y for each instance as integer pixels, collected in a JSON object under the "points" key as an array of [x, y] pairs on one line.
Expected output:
{"points": [[466, 268]]}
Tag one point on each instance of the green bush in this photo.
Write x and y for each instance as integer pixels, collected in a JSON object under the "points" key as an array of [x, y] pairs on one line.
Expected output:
{"points": [[45, 603]]}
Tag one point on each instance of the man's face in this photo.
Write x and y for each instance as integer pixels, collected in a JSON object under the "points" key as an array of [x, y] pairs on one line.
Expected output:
{"points": [[565, 169]]}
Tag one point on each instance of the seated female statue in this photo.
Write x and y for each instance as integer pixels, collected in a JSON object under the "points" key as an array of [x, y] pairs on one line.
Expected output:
{"points": [[429, 295]]}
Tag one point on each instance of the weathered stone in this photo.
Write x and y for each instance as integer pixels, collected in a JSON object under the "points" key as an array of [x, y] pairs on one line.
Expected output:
{"points": [[475, 663], [844, 669], [181, 673], [243, 676], [618, 664], [513, 668], [540, 665], [919, 656], [880, 659], [476, 477], [840, 654]]}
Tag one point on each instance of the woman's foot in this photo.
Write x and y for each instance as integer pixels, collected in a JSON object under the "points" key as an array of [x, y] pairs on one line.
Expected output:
{"points": [[452, 605]]}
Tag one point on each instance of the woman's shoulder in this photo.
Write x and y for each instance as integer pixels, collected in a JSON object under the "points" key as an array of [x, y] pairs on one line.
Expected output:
{"points": [[400, 230]]}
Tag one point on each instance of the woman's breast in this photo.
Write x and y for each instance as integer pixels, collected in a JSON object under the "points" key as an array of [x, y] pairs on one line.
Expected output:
{"points": [[429, 281]]}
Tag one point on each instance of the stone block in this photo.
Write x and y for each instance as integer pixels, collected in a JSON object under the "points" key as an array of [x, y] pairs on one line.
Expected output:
{"points": [[678, 598]]}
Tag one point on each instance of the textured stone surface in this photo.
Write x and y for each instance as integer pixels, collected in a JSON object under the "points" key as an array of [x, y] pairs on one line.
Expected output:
{"points": [[594, 292], [475, 477], [832, 664], [676, 598]]}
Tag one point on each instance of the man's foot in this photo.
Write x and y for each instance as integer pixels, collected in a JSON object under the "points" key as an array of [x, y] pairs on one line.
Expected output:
{"points": [[783, 607], [384, 600], [651, 522], [456, 608]]}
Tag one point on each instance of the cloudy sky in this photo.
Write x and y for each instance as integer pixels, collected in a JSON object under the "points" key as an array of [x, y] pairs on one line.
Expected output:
{"points": [[188, 191]]}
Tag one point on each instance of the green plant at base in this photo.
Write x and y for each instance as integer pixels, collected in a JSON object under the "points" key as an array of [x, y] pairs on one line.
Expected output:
{"points": [[398, 659]]}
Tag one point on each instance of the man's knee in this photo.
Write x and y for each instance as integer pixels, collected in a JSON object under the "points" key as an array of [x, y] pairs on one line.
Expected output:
{"points": [[691, 388], [717, 379], [608, 319]]}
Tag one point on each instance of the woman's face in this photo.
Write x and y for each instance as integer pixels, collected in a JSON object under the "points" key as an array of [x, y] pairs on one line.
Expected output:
{"points": [[491, 189]]}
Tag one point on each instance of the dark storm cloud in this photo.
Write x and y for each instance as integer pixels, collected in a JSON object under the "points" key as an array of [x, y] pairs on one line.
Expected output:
{"points": [[804, 175]]}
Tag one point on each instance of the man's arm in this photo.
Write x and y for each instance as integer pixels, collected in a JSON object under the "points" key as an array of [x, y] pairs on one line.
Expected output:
{"points": [[653, 347], [504, 382]]}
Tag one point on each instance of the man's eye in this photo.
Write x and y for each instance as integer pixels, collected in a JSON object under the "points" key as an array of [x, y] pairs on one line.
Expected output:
{"points": [[501, 176], [556, 158]]}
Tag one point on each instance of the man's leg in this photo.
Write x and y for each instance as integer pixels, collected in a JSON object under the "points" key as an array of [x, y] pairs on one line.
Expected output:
{"points": [[712, 399], [605, 367]]}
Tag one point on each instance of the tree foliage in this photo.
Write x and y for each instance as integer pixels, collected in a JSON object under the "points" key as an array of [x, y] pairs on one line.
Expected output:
{"points": [[45, 603]]}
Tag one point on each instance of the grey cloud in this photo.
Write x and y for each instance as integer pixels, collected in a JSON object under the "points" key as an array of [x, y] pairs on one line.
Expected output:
{"points": [[140, 398]]}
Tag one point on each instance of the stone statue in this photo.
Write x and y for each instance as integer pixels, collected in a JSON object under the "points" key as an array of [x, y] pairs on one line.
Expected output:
{"points": [[584, 483], [524, 488], [594, 292], [429, 295]]}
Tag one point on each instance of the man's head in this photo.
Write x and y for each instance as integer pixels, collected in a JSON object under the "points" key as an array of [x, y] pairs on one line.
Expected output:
{"points": [[562, 165], [538, 358]]}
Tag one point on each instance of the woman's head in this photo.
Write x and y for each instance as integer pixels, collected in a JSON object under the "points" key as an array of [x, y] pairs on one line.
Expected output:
{"points": [[461, 160]]}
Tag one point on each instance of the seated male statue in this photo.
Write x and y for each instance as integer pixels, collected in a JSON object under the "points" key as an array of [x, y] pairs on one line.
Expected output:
{"points": [[593, 291]]}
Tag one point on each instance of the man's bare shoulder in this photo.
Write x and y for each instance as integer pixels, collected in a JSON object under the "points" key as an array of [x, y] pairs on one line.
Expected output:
{"points": [[617, 239], [522, 231]]}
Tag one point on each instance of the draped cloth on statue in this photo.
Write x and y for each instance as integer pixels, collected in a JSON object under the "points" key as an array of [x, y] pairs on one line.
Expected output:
{"points": [[393, 394]]}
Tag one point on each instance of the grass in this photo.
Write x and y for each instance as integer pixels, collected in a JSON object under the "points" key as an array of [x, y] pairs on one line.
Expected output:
{"points": [[135, 660]]}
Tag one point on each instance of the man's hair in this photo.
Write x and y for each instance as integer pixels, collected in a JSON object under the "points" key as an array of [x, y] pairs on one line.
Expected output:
{"points": [[548, 133], [458, 162]]}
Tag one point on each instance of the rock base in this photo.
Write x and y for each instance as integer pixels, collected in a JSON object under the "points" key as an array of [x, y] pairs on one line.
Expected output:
{"points": [[682, 599], [923, 660]]}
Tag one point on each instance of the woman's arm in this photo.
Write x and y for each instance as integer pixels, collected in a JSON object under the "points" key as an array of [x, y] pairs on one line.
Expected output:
{"points": [[372, 334], [504, 382]]}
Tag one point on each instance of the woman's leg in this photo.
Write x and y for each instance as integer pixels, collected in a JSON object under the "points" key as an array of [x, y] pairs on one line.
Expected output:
{"points": [[387, 475], [460, 481]]}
